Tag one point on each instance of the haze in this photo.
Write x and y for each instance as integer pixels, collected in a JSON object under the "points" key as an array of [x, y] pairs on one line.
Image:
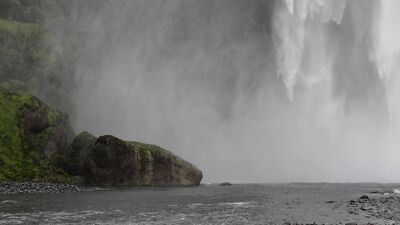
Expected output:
{"points": [[249, 91]]}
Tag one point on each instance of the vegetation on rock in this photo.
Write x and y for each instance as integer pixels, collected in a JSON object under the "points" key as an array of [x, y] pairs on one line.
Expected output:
{"points": [[38, 53], [23, 57], [35, 144], [32, 135], [34, 138], [22, 10]]}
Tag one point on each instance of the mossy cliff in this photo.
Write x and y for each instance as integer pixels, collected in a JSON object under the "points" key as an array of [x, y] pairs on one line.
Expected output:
{"points": [[34, 138], [109, 161], [36, 143], [32, 135]]}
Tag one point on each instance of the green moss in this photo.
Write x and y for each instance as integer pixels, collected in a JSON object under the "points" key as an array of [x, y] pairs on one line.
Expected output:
{"points": [[17, 27], [20, 159], [154, 150], [52, 116]]}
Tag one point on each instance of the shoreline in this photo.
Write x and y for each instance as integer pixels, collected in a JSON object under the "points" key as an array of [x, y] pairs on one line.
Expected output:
{"points": [[32, 187], [29, 187]]}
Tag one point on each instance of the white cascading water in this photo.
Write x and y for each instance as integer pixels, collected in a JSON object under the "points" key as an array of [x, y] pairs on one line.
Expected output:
{"points": [[386, 53], [297, 24], [301, 38], [305, 91]]}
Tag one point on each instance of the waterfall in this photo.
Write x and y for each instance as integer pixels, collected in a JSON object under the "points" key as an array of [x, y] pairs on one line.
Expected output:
{"points": [[296, 25], [345, 53], [250, 91], [354, 58]]}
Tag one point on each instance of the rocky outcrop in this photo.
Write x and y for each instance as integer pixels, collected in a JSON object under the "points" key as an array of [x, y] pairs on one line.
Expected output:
{"points": [[109, 161], [78, 153], [35, 145], [31, 136], [46, 129]]}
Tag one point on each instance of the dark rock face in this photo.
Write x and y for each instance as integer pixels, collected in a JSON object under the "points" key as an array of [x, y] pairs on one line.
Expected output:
{"points": [[365, 197], [45, 128], [109, 161], [35, 145], [78, 152], [225, 184], [32, 135]]}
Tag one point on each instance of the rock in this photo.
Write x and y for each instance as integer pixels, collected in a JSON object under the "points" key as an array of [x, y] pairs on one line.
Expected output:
{"points": [[78, 152], [364, 197], [35, 146], [225, 184], [109, 161], [46, 128], [365, 208], [32, 136]]}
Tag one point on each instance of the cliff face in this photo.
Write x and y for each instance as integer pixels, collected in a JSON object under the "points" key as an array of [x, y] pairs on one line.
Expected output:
{"points": [[35, 145], [109, 161], [32, 136]]}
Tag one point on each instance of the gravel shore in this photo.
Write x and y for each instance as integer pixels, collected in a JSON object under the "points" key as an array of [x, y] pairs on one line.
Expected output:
{"points": [[32, 187], [386, 206]]}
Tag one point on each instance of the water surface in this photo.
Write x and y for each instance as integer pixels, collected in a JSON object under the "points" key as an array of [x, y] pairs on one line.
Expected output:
{"points": [[206, 204]]}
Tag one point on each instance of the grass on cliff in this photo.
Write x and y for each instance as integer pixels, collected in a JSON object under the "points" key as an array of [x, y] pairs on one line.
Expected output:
{"points": [[155, 150], [24, 56]]}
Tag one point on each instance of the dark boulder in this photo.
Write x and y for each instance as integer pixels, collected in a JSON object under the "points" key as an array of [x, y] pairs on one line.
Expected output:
{"points": [[78, 152], [364, 197], [109, 161], [224, 184]]}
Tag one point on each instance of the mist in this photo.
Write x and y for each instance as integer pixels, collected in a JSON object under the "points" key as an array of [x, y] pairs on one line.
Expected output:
{"points": [[249, 91]]}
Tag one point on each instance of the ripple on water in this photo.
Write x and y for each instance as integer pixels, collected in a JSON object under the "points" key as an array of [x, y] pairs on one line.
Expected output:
{"points": [[240, 204], [7, 202], [49, 217]]}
